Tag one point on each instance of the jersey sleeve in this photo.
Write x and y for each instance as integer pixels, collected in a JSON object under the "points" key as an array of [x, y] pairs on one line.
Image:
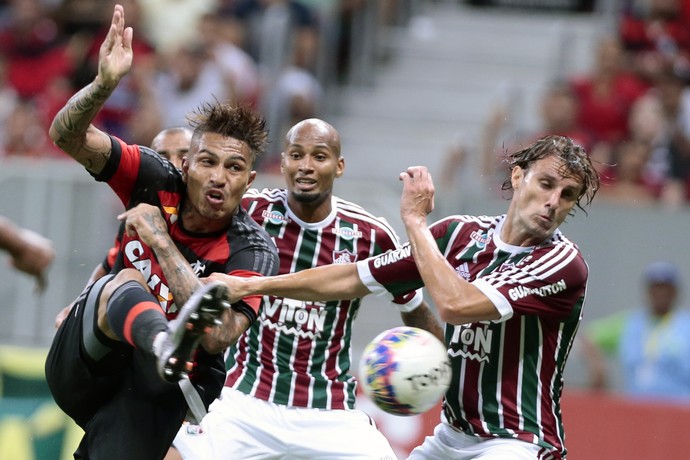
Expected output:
{"points": [[392, 275], [550, 283], [254, 254], [388, 240], [248, 306], [135, 173]]}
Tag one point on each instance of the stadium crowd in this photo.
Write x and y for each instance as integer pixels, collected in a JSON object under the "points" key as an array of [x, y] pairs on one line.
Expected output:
{"points": [[277, 55], [630, 110]]}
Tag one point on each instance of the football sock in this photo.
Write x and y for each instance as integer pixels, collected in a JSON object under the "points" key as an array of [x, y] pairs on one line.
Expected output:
{"points": [[135, 316]]}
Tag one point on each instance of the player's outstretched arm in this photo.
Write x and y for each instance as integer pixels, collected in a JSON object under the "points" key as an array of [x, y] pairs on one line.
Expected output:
{"points": [[329, 282], [71, 129]]}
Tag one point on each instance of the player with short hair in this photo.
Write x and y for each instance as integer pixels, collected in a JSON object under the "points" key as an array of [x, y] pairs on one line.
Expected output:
{"points": [[173, 144], [116, 360], [510, 289], [288, 392]]}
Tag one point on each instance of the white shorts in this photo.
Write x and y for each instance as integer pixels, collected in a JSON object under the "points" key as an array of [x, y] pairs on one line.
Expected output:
{"points": [[447, 443], [240, 426]]}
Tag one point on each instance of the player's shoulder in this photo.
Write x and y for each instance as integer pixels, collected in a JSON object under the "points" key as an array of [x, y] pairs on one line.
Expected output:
{"points": [[353, 212], [465, 223], [245, 231], [256, 201], [266, 194]]}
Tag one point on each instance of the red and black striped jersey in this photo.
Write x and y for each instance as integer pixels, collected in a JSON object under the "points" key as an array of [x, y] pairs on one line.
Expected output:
{"points": [[507, 374], [299, 353], [137, 175]]}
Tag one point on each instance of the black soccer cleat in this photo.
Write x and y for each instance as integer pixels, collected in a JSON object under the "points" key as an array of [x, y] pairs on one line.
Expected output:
{"points": [[202, 311]]}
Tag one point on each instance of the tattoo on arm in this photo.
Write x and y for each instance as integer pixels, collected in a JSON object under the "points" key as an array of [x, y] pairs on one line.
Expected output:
{"points": [[70, 126], [181, 278]]}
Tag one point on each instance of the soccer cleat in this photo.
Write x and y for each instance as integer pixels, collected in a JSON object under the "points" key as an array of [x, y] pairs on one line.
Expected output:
{"points": [[202, 311]]}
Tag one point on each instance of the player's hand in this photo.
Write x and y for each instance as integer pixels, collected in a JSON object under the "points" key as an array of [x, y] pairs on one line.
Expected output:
{"points": [[115, 56], [146, 222], [34, 256], [235, 284], [417, 199]]}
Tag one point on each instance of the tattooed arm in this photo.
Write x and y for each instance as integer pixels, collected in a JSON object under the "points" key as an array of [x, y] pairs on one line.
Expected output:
{"points": [[71, 129], [147, 222]]}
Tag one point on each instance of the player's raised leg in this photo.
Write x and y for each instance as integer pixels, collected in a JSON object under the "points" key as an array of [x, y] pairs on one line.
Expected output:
{"points": [[175, 347]]}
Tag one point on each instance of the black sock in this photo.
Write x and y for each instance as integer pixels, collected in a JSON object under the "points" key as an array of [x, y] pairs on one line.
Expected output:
{"points": [[135, 315]]}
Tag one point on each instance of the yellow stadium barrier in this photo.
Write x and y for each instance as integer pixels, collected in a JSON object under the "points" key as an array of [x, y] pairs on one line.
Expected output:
{"points": [[32, 426]]}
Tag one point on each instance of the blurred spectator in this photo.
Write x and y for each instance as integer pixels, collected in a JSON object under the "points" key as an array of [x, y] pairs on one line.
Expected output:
{"points": [[657, 34], [9, 99], [627, 180], [668, 100], [652, 344], [283, 37], [189, 78], [24, 136], [277, 32], [606, 94], [647, 124], [220, 34], [559, 110], [170, 24], [36, 52]]}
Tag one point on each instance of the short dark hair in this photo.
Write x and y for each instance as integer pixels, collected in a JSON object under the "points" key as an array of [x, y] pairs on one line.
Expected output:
{"points": [[236, 121], [576, 163]]}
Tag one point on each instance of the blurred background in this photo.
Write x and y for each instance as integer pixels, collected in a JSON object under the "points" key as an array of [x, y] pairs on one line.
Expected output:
{"points": [[452, 85]]}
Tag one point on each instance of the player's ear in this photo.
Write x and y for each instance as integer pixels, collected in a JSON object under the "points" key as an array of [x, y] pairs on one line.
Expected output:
{"points": [[185, 169], [282, 162], [341, 167], [516, 176]]}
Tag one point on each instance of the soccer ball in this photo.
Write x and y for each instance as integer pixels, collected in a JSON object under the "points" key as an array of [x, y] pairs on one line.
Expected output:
{"points": [[405, 370]]}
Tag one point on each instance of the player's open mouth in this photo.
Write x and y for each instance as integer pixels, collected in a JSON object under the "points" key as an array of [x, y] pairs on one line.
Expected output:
{"points": [[215, 197], [306, 184]]}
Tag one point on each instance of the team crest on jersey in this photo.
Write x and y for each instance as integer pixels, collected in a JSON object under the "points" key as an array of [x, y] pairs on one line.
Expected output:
{"points": [[344, 257], [480, 238], [275, 217], [506, 266], [172, 212], [347, 233]]}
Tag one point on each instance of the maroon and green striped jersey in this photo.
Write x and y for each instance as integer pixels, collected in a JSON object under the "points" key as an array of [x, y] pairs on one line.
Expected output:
{"points": [[298, 353], [507, 374]]}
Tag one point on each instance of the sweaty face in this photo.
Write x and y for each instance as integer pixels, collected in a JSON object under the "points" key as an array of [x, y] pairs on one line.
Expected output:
{"points": [[217, 173], [311, 163], [173, 146], [542, 200]]}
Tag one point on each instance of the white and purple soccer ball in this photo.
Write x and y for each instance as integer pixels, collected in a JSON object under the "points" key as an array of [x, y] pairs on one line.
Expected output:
{"points": [[405, 370]]}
